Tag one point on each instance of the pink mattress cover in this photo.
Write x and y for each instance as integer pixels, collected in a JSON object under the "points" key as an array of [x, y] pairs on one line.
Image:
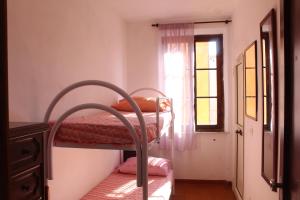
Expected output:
{"points": [[104, 128], [123, 186]]}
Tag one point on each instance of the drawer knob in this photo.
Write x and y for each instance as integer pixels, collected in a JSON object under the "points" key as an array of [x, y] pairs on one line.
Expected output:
{"points": [[25, 188]]}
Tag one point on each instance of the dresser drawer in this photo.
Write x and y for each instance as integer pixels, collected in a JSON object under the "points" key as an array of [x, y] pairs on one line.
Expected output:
{"points": [[25, 152], [27, 185]]}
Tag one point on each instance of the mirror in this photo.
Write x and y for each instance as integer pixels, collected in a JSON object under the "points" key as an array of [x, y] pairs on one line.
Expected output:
{"points": [[251, 81], [269, 92]]}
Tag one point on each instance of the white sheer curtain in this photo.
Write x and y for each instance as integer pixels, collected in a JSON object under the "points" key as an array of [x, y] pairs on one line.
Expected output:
{"points": [[176, 60]]}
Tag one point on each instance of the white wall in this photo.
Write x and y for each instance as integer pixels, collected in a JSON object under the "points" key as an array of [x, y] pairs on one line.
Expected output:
{"points": [[212, 158], [245, 30], [142, 56], [52, 44]]}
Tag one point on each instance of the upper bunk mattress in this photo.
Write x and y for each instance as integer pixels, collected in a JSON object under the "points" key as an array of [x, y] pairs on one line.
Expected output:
{"points": [[123, 186], [105, 128]]}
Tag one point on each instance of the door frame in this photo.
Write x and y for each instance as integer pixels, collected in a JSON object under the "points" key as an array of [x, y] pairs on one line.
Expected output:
{"points": [[3, 102], [240, 61], [288, 63]]}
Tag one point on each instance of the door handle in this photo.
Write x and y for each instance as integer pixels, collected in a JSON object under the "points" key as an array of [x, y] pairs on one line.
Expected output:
{"points": [[239, 131]]}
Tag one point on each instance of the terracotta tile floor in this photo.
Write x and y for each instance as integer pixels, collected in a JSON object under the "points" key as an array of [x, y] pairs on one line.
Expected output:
{"points": [[189, 190]]}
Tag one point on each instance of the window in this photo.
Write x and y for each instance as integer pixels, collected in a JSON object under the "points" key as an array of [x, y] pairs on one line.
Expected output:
{"points": [[209, 92]]}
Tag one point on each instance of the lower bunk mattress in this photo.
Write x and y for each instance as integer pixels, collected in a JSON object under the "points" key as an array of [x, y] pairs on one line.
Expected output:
{"points": [[123, 186]]}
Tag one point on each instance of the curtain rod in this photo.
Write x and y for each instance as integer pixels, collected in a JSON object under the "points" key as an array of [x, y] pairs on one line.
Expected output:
{"points": [[204, 22]]}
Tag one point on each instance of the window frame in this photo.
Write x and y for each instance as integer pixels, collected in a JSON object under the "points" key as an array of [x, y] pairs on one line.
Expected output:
{"points": [[220, 84]]}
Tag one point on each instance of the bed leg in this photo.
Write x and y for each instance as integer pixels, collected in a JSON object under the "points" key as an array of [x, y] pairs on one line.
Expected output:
{"points": [[173, 188]]}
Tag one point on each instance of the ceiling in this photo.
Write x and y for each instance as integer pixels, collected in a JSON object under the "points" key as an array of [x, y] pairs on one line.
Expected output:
{"points": [[166, 10]]}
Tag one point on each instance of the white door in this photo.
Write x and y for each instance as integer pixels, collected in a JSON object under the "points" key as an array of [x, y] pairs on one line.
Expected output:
{"points": [[239, 129]]}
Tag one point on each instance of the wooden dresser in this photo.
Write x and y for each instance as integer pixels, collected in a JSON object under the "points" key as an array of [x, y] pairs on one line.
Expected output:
{"points": [[26, 160]]}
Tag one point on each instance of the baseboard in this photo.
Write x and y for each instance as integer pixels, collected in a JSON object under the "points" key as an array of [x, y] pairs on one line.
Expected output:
{"points": [[205, 181], [236, 193]]}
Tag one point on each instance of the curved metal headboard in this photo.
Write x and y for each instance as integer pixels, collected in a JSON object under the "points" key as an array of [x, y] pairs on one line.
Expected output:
{"points": [[90, 83], [147, 89], [69, 112], [96, 83], [132, 103]]}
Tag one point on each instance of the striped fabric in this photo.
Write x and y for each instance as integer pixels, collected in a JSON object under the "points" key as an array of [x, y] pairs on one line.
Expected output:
{"points": [[104, 128], [123, 186]]}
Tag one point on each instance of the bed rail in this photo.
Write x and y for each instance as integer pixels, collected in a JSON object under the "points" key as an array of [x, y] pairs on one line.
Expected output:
{"points": [[158, 99], [143, 176]]}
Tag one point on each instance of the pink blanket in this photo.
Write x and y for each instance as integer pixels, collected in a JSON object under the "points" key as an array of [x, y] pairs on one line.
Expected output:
{"points": [[104, 128], [123, 186]]}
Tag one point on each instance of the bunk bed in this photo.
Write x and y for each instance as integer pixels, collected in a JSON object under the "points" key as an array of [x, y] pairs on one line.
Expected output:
{"points": [[138, 129]]}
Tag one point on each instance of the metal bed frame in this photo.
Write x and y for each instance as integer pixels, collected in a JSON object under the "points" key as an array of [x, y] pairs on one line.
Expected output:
{"points": [[141, 144]]}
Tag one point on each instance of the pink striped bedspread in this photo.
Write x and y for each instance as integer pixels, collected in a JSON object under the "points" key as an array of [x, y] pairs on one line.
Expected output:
{"points": [[123, 186], [105, 128]]}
